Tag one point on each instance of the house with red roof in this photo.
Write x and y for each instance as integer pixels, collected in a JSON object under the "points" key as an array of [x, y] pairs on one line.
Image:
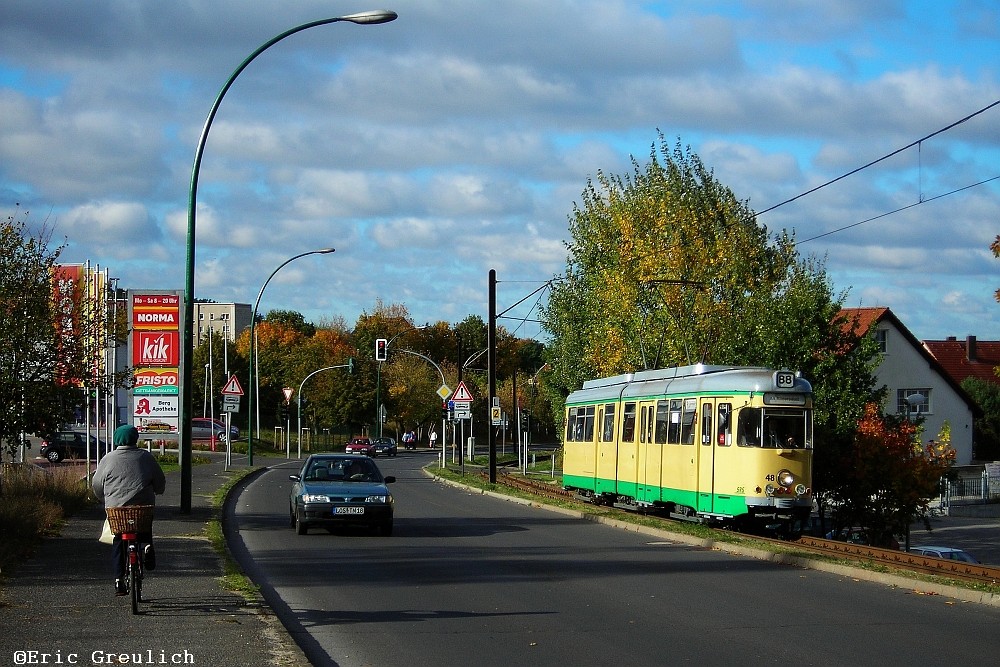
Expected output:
{"points": [[967, 358], [918, 383]]}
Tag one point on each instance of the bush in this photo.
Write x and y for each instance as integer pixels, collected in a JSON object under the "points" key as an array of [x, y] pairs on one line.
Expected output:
{"points": [[33, 504]]}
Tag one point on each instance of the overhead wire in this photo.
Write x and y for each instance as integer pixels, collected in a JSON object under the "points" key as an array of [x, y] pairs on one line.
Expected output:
{"points": [[884, 157]]}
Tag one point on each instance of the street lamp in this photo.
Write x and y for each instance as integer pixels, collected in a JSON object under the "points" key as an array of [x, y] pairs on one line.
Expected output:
{"points": [[254, 384], [349, 366], [184, 443]]}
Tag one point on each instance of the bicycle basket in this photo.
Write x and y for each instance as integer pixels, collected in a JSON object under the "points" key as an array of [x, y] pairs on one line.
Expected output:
{"points": [[131, 519]]}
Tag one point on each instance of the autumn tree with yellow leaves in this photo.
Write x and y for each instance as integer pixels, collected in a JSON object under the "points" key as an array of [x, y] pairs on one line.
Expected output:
{"points": [[668, 267]]}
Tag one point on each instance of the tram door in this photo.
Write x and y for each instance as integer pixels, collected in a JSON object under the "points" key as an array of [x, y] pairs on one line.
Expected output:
{"points": [[706, 456]]}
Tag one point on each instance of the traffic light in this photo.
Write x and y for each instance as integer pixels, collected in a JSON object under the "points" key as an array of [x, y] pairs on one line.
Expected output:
{"points": [[350, 365], [444, 410], [380, 349], [283, 413]]}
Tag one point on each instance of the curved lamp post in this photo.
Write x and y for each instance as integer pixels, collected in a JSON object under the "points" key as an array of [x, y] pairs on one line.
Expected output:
{"points": [[254, 382], [184, 444], [349, 366]]}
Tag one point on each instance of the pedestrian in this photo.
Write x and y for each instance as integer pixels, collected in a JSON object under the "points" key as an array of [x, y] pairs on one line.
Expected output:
{"points": [[128, 476], [433, 438]]}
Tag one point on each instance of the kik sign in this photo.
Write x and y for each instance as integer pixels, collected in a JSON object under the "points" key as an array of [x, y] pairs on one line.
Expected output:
{"points": [[156, 348]]}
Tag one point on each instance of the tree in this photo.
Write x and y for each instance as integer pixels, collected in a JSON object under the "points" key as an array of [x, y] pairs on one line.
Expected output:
{"points": [[889, 478], [985, 429], [42, 359], [667, 267]]}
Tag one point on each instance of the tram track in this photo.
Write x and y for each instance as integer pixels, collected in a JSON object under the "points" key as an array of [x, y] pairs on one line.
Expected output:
{"points": [[972, 573]]}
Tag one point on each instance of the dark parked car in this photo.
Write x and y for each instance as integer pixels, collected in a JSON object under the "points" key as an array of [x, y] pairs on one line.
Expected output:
{"points": [[340, 489], [70, 445], [360, 446], [385, 446], [202, 428]]}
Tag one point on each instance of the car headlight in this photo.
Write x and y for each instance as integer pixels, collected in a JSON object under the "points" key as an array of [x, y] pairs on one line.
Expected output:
{"points": [[315, 498], [376, 500], [786, 478]]}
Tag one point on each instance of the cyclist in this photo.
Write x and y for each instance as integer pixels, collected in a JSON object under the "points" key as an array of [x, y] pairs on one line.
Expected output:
{"points": [[128, 476]]}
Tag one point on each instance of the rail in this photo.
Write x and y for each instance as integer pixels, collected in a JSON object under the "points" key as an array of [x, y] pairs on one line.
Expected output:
{"points": [[903, 560]]}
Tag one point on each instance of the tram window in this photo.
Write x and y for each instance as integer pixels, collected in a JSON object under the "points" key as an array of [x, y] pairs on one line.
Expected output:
{"points": [[749, 427], [785, 428], [608, 431], [706, 423], [588, 424], [628, 423], [580, 424], [661, 422], [674, 437], [644, 425], [724, 435], [687, 421]]}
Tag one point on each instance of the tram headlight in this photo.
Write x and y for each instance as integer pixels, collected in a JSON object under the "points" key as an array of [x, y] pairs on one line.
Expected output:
{"points": [[800, 490], [770, 489], [786, 478]]}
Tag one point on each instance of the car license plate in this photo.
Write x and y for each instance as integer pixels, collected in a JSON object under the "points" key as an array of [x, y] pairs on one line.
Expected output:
{"points": [[348, 510]]}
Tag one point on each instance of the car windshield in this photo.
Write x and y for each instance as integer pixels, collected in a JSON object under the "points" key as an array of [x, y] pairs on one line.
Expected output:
{"points": [[343, 470]]}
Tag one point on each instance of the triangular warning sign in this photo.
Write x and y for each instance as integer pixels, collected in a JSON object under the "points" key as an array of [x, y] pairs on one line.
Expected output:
{"points": [[233, 387], [462, 394]]}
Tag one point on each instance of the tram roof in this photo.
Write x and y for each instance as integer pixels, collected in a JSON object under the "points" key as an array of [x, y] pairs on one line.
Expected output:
{"points": [[698, 378]]}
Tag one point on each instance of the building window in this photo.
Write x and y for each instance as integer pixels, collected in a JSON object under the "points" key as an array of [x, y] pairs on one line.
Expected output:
{"points": [[211, 316], [201, 315], [913, 402], [880, 338]]}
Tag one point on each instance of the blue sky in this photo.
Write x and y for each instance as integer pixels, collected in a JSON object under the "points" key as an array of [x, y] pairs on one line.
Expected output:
{"points": [[457, 138]]}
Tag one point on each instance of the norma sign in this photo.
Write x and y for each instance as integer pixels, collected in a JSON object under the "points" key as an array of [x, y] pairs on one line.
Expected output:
{"points": [[156, 311], [155, 381], [156, 348]]}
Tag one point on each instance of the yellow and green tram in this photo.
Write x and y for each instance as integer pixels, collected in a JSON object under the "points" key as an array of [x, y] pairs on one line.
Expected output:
{"points": [[717, 444]]}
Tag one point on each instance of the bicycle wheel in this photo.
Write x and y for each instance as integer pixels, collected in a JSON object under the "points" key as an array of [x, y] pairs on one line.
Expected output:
{"points": [[134, 586]]}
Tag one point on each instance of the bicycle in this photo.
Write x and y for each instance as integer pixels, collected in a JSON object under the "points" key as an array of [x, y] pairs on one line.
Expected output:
{"points": [[129, 522]]}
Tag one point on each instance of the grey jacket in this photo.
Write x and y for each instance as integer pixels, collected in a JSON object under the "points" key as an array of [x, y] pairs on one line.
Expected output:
{"points": [[128, 476]]}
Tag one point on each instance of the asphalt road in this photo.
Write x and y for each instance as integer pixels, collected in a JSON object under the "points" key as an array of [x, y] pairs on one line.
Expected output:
{"points": [[468, 579]]}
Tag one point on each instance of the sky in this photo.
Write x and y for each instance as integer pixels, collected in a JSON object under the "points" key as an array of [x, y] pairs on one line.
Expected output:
{"points": [[457, 138]]}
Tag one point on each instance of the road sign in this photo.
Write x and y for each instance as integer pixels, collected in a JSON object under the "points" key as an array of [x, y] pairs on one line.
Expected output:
{"points": [[444, 391], [228, 399], [495, 416], [232, 387], [232, 407], [462, 394], [288, 391]]}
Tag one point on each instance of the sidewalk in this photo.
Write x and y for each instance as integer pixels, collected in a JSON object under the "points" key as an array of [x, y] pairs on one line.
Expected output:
{"points": [[62, 603]]}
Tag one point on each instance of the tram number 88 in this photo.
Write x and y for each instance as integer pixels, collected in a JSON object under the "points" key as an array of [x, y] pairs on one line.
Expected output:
{"points": [[784, 380]]}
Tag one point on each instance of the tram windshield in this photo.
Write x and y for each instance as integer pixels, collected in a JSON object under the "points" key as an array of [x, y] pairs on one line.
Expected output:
{"points": [[781, 428]]}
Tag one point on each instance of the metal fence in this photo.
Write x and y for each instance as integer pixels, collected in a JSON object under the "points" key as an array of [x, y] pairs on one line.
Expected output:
{"points": [[969, 485]]}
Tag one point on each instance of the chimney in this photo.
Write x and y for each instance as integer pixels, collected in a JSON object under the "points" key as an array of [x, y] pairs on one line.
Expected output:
{"points": [[970, 348]]}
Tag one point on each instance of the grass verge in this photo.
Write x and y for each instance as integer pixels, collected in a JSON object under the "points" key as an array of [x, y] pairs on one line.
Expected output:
{"points": [[232, 579]]}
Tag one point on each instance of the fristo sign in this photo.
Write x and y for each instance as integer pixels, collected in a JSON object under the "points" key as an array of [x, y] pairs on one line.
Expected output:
{"points": [[155, 381]]}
